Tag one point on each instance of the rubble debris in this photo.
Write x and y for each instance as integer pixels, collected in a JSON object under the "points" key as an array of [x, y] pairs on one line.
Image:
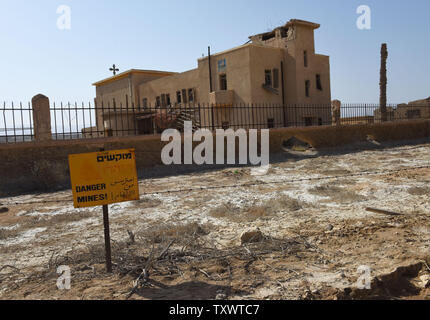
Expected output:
{"points": [[372, 140], [296, 144], [221, 296], [398, 284], [251, 236], [425, 281]]}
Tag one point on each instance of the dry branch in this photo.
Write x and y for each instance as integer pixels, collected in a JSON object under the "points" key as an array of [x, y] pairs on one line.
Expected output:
{"points": [[166, 249], [11, 267], [390, 213]]}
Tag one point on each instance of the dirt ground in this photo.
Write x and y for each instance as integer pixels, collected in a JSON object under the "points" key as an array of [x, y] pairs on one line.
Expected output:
{"points": [[310, 208]]}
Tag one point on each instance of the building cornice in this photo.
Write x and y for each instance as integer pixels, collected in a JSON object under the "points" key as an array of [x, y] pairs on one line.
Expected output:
{"points": [[131, 72]]}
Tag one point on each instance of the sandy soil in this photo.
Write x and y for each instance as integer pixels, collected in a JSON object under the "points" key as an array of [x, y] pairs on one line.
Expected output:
{"points": [[310, 207]]}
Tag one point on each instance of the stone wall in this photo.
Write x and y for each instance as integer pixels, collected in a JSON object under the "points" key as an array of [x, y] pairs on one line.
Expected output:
{"points": [[43, 166]]}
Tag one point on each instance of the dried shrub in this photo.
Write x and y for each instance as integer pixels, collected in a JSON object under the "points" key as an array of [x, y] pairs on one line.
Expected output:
{"points": [[12, 249], [147, 202], [335, 193], [225, 210], [281, 203], [419, 191], [180, 233], [6, 233]]}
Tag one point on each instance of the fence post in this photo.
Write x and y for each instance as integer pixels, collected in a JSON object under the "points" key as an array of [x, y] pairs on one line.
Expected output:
{"points": [[335, 111], [41, 118]]}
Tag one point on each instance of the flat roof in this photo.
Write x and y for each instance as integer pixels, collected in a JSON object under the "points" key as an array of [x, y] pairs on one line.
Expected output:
{"points": [[125, 74], [244, 46], [292, 22], [302, 23]]}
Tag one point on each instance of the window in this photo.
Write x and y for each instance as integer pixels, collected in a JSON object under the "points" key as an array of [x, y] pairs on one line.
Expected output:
{"points": [[284, 32], [307, 88], [145, 103], [225, 125], [168, 99], [305, 58], [268, 78], [223, 82], [308, 121], [276, 78], [222, 65], [178, 97], [163, 100], [157, 102], [270, 123], [191, 95], [319, 85], [320, 121], [184, 95]]}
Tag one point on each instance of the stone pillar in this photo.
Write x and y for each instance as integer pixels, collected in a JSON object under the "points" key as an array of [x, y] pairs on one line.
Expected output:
{"points": [[335, 112], [41, 118]]}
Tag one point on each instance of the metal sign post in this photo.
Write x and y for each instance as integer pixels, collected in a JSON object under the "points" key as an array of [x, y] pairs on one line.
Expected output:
{"points": [[107, 239], [108, 250]]}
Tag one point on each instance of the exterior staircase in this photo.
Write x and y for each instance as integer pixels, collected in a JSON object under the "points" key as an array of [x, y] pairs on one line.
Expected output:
{"points": [[188, 115]]}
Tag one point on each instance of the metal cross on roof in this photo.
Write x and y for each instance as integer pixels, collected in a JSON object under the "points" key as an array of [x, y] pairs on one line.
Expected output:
{"points": [[114, 69]]}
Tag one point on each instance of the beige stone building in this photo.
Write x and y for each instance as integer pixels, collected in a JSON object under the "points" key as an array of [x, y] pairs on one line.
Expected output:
{"points": [[278, 68], [419, 109]]}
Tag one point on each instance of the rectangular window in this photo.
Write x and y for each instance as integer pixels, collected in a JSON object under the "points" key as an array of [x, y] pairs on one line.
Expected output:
{"points": [[178, 97], [163, 100], [276, 78], [305, 58], [168, 99], [222, 65], [158, 102], [223, 82], [191, 95], [268, 78], [184, 95], [319, 85], [145, 103], [270, 123], [308, 121], [307, 88], [320, 121]]}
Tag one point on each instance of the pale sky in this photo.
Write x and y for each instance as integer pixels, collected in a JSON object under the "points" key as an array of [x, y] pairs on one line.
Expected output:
{"points": [[37, 57]]}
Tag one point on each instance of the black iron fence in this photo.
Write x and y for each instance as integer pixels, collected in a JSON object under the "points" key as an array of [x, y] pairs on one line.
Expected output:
{"points": [[16, 123], [86, 121]]}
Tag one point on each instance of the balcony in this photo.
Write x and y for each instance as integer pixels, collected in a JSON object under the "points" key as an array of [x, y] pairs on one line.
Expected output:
{"points": [[223, 98]]}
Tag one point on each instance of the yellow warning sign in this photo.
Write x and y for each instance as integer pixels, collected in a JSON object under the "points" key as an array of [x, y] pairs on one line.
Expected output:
{"points": [[102, 178]]}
